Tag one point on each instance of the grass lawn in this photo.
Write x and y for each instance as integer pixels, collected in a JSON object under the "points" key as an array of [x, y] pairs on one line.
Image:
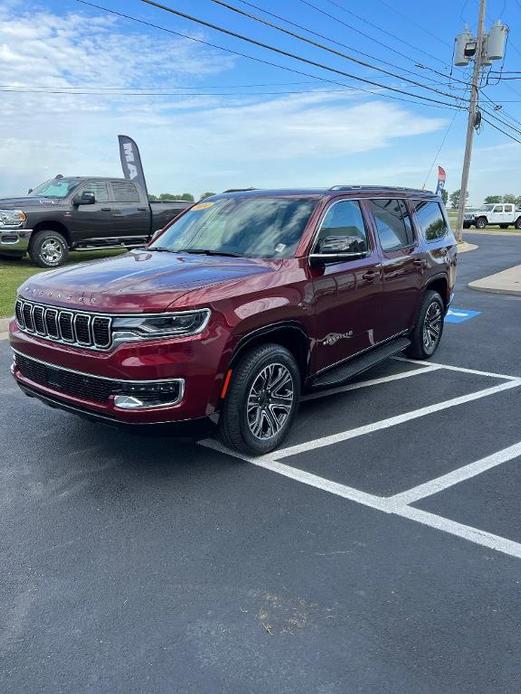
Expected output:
{"points": [[14, 272]]}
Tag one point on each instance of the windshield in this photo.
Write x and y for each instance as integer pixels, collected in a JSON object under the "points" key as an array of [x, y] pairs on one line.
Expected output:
{"points": [[255, 227], [55, 188], [488, 207]]}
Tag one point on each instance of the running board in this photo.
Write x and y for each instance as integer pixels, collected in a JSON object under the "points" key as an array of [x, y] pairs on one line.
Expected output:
{"points": [[347, 371]]}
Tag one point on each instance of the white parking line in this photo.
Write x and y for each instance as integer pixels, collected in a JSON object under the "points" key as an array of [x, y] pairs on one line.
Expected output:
{"points": [[269, 463], [393, 421], [398, 504], [456, 476], [461, 369], [371, 382], [467, 532]]}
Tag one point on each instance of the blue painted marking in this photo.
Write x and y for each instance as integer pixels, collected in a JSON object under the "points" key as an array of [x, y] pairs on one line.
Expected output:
{"points": [[460, 315]]}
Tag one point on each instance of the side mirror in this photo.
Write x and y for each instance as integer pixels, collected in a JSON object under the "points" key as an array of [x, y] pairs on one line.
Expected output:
{"points": [[86, 198], [332, 249]]}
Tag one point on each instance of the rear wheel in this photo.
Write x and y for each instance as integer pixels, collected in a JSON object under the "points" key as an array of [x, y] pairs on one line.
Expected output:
{"points": [[518, 223], [48, 248], [262, 400], [481, 223], [426, 336]]}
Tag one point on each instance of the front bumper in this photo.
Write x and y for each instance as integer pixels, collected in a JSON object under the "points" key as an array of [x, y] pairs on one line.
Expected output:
{"points": [[15, 241], [114, 385]]}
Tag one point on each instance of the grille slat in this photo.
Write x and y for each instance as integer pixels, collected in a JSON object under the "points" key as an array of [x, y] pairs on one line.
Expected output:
{"points": [[28, 317], [65, 323], [71, 327], [39, 322], [51, 322], [82, 329]]}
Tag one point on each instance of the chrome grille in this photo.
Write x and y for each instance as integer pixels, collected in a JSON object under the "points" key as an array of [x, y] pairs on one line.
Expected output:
{"points": [[70, 327]]}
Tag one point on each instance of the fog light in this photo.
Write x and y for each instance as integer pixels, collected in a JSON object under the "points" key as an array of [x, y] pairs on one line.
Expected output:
{"points": [[139, 396]]}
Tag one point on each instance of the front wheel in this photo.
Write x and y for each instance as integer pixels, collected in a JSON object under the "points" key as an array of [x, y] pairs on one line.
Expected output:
{"points": [[426, 336], [262, 400], [481, 223], [48, 248]]}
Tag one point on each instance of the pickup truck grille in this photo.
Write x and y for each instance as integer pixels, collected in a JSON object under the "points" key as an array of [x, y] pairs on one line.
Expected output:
{"points": [[69, 327]]}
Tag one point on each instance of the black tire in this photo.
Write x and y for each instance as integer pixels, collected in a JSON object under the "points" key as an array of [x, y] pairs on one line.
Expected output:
{"points": [[518, 223], [423, 344], [504, 226], [48, 248], [481, 222], [238, 420], [466, 225]]}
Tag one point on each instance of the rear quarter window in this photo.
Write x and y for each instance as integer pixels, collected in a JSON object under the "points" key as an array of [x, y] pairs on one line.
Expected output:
{"points": [[125, 191], [430, 219]]}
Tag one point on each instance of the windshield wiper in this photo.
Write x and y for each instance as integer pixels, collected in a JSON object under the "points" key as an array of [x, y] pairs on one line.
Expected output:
{"points": [[208, 251], [161, 249]]}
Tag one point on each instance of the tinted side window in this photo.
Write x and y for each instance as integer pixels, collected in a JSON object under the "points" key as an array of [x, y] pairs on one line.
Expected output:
{"points": [[498, 208], [393, 224], [430, 219], [100, 190], [344, 218], [125, 191]]}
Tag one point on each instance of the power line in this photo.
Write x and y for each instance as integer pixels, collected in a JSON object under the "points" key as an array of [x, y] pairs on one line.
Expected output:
{"points": [[332, 40], [384, 31], [288, 54], [501, 131], [356, 89], [333, 51], [357, 30], [413, 22], [440, 147]]}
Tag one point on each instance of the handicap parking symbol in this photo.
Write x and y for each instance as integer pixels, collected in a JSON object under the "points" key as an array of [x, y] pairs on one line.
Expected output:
{"points": [[459, 315]]}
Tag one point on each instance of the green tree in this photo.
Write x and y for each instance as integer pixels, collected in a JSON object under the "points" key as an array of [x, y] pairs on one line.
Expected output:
{"points": [[492, 199], [206, 195], [454, 199], [173, 196], [444, 196], [518, 201], [509, 197]]}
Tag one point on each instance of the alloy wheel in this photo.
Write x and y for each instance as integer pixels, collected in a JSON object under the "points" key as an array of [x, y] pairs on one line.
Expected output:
{"points": [[270, 400], [432, 326], [51, 251]]}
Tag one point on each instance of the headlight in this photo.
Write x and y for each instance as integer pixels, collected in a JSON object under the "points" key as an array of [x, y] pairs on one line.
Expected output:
{"points": [[12, 218], [162, 325]]}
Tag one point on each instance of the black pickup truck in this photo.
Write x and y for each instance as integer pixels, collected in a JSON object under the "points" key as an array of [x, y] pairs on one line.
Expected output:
{"points": [[79, 213]]}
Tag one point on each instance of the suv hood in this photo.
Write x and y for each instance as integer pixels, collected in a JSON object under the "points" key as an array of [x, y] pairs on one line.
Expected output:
{"points": [[26, 202], [139, 281]]}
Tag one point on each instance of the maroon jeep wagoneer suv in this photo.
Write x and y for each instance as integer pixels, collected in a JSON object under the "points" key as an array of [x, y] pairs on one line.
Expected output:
{"points": [[238, 306]]}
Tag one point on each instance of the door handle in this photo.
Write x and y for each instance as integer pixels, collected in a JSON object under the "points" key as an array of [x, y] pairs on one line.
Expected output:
{"points": [[370, 275], [142, 209], [105, 209], [420, 262]]}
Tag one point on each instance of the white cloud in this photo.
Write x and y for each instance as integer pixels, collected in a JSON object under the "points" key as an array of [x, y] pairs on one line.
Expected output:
{"points": [[187, 143]]}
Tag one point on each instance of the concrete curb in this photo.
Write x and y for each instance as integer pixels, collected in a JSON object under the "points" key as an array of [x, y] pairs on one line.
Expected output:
{"points": [[466, 247], [505, 282]]}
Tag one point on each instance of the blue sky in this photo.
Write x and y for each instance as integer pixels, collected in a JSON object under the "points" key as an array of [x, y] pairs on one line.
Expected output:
{"points": [[205, 131]]}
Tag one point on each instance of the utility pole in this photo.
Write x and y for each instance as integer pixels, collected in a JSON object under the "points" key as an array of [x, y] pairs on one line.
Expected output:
{"points": [[476, 73]]}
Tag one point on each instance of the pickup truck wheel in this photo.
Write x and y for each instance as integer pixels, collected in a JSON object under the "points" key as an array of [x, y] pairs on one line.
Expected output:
{"points": [[48, 248], [261, 401], [518, 223], [466, 225], [426, 336], [481, 222]]}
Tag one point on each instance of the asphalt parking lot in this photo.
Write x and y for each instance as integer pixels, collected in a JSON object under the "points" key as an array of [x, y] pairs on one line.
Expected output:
{"points": [[379, 551]]}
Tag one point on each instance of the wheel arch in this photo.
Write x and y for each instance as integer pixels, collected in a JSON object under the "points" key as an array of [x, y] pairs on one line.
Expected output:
{"points": [[290, 334], [440, 284], [52, 225]]}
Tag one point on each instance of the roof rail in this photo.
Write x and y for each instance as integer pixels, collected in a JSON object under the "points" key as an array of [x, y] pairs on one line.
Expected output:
{"points": [[360, 187], [238, 190]]}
